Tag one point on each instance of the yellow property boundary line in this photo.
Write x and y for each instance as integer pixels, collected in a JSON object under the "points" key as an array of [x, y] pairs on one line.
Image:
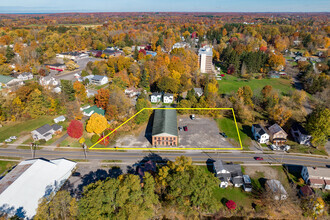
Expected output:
{"points": [[169, 148]]}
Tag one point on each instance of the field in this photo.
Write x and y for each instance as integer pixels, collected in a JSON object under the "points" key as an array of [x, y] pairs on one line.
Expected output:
{"points": [[17, 128], [227, 125], [230, 84], [238, 195]]}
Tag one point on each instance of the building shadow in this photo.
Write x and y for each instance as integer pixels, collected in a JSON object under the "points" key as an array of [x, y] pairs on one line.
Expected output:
{"points": [[148, 133], [247, 130], [210, 165]]}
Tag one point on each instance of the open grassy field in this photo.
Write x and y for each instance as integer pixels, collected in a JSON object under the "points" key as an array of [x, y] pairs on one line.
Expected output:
{"points": [[230, 84], [19, 128], [227, 125], [238, 195]]}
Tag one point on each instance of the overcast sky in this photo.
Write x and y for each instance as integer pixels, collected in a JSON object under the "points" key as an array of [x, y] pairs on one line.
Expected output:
{"points": [[35, 6]]}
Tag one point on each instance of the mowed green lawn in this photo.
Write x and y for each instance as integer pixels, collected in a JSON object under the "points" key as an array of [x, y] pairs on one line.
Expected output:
{"points": [[227, 125], [4, 165], [230, 84], [18, 128]]}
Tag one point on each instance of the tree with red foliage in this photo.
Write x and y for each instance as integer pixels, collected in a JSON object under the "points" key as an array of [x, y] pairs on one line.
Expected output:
{"points": [[75, 129], [231, 205], [143, 51]]}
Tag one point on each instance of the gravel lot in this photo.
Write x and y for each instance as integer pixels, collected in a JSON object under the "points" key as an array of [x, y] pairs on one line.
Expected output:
{"points": [[202, 132]]}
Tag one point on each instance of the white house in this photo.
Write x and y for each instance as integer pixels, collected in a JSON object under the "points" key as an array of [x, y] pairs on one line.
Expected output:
{"points": [[48, 81], [300, 135], [59, 119], [31, 180], [46, 132], [155, 97], [132, 92], [276, 189], [260, 134], [99, 80], [228, 173], [168, 98], [25, 76]]}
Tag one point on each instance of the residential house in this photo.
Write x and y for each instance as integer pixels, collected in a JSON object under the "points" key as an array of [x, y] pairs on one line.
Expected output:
{"points": [[260, 134], [112, 52], [132, 92], [168, 98], [276, 189], [46, 132], [273, 74], [300, 135], [198, 91], [165, 128], [59, 119], [155, 97], [89, 77], [31, 180], [277, 135], [99, 80], [72, 55], [91, 110], [228, 174], [205, 56], [181, 45], [25, 76], [8, 81], [316, 177], [247, 184], [51, 83], [90, 93]]}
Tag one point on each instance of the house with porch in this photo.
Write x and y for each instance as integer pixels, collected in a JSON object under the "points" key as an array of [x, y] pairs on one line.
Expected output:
{"points": [[46, 132], [155, 97], [277, 135], [260, 133], [168, 98]]}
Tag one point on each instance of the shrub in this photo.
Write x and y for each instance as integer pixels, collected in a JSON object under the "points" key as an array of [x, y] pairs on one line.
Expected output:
{"points": [[231, 205], [95, 138]]}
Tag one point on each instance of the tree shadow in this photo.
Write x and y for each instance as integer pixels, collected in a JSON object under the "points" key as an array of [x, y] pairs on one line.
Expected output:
{"points": [[224, 201], [91, 177], [156, 158], [262, 182], [148, 133]]}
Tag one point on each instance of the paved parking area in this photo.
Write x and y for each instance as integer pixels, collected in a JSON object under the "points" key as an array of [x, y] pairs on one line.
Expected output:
{"points": [[202, 132]]}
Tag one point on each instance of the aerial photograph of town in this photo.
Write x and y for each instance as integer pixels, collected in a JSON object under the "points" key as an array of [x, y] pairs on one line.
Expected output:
{"points": [[164, 110]]}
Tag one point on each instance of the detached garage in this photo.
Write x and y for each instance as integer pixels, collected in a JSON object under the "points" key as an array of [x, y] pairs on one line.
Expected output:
{"points": [[165, 128]]}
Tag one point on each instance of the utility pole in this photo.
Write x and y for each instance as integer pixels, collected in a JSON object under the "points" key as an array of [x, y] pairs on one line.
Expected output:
{"points": [[85, 147]]}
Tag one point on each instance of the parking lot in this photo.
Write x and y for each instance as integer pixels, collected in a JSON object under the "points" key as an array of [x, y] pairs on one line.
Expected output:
{"points": [[202, 132]]}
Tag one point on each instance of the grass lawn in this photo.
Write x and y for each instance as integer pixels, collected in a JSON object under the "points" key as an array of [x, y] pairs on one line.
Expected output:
{"points": [[238, 195], [17, 128], [230, 84], [297, 148], [227, 125], [5, 165]]}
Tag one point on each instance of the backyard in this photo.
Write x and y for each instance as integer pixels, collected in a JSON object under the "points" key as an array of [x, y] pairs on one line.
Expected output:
{"points": [[231, 83]]}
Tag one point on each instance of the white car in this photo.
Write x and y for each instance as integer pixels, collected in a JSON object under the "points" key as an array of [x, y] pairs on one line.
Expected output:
{"points": [[8, 140], [13, 137], [273, 147]]}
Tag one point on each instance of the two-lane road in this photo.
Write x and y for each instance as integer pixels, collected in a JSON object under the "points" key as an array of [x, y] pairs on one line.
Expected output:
{"points": [[134, 156]]}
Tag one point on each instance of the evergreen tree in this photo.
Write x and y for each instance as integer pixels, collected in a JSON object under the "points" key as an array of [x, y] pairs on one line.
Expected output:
{"points": [[10, 54]]}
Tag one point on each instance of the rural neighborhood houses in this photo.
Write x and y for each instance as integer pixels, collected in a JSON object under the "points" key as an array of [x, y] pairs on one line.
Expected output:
{"points": [[229, 174], [300, 135], [99, 80], [25, 76], [155, 97], [31, 180], [59, 119], [8, 81], [260, 133], [46, 132], [316, 177], [277, 135]]}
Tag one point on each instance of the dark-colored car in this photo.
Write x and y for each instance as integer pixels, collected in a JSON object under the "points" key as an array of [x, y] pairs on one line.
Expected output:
{"points": [[224, 134], [259, 158], [76, 174], [180, 128], [185, 128]]}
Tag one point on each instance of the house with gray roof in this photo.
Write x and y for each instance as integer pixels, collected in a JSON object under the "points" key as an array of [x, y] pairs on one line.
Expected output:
{"points": [[277, 135], [46, 132], [8, 81], [276, 190], [165, 128], [99, 80], [25, 76], [155, 97], [168, 98], [300, 135], [260, 133], [228, 173]]}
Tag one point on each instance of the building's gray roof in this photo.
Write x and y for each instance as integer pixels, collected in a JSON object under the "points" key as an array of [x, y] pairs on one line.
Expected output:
{"points": [[44, 129], [168, 95], [276, 186], [205, 50], [56, 127], [98, 77], [165, 122], [198, 90], [234, 169], [259, 129], [238, 180], [275, 128], [319, 172]]}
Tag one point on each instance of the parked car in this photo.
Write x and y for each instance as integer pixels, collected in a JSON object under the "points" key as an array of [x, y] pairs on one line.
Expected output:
{"points": [[286, 147], [185, 128], [180, 128], [13, 137], [8, 140], [273, 147], [224, 134], [192, 117], [76, 174], [259, 158]]}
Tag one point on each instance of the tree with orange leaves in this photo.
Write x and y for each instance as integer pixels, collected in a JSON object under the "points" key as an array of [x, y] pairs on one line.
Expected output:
{"points": [[102, 98]]}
